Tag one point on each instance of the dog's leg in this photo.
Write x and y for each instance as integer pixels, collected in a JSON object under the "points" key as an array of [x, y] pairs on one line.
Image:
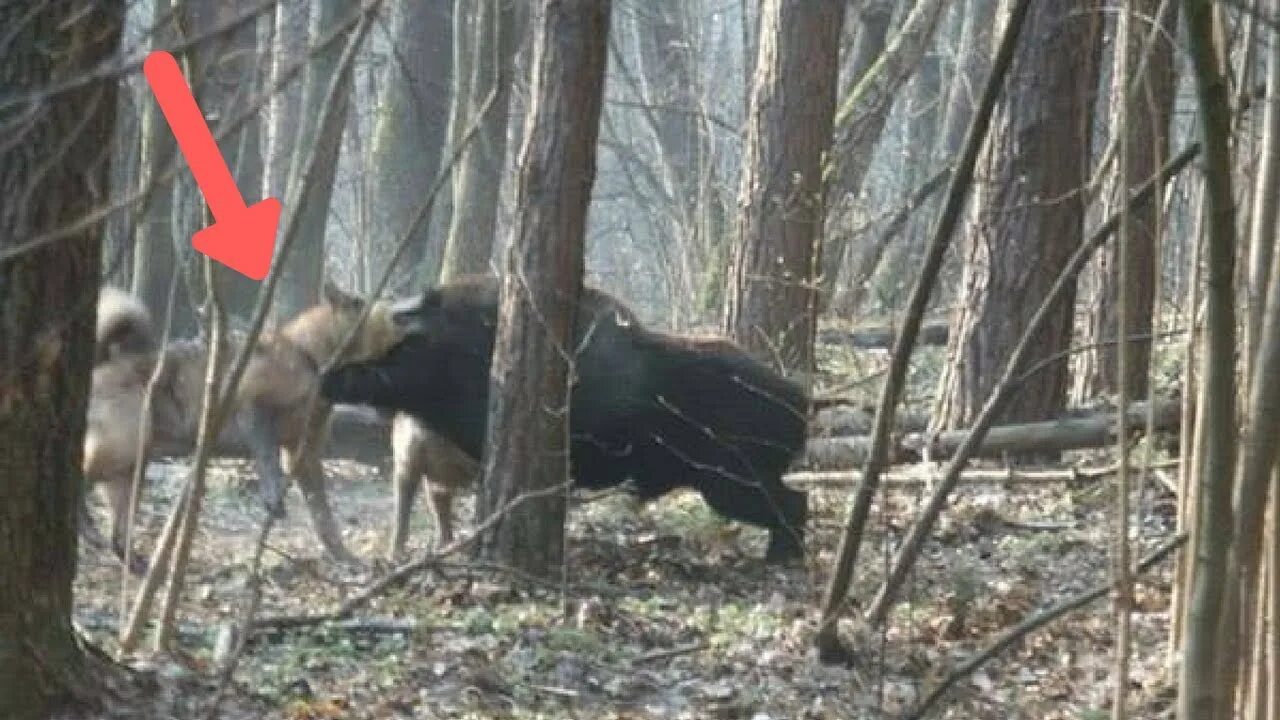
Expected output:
{"points": [[406, 478], [440, 498], [309, 473], [118, 494], [89, 529], [262, 435]]}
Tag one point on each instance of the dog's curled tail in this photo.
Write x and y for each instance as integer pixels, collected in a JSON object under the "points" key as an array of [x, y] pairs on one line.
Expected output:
{"points": [[124, 325]]}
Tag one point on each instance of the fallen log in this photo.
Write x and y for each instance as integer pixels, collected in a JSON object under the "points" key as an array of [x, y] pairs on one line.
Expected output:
{"points": [[842, 420], [922, 474], [881, 337], [1072, 433]]}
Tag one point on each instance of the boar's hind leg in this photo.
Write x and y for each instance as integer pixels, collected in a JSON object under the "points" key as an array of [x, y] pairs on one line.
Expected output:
{"points": [[764, 503]]}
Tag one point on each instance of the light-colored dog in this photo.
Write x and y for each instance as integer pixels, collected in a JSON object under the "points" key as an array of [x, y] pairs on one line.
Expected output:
{"points": [[278, 414]]}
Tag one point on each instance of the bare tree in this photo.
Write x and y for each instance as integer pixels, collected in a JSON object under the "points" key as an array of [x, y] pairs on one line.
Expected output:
{"points": [[972, 62], [860, 123], [117, 248], [1028, 216], [53, 171], [490, 60], [871, 31], [409, 133], [528, 436], [288, 41], [688, 225], [227, 75], [1147, 150], [155, 248], [827, 639], [1200, 693], [772, 295], [304, 271]]}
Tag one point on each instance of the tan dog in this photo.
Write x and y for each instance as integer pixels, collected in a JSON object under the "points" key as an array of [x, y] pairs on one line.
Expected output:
{"points": [[419, 452], [277, 411]]}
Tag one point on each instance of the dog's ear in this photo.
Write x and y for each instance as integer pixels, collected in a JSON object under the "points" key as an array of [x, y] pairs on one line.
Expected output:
{"points": [[336, 297]]}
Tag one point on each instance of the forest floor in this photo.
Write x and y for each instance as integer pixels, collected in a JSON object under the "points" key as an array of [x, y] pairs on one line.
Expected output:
{"points": [[668, 612]]}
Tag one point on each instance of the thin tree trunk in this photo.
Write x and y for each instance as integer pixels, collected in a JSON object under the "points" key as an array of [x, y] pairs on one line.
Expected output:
{"points": [[860, 120], [923, 125], [409, 135], [667, 86], [155, 254], [772, 298], [1121, 570], [288, 42], [975, 58], [52, 173], [304, 271], [228, 78], [1199, 690], [126, 168], [1191, 438], [1265, 205], [826, 639], [1258, 452], [1148, 140], [474, 222], [1273, 603], [465, 19], [528, 436]]}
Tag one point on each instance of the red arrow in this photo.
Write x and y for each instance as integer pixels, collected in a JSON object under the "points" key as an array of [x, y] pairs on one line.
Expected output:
{"points": [[242, 238]]}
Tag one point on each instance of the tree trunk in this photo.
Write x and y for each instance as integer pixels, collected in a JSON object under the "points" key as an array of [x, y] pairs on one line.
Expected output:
{"points": [[1148, 129], [126, 152], [227, 78], [1019, 240], [304, 268], [923, 124], [474, 221], [830, 648], [860, 120], [465, 18], [409, 137], [155, 247], [972, 65], [52, 175], [288, 42], [772, 296], [1265, 206], [1257, 462], [1199, 691], [686, 220], [528, 425]]}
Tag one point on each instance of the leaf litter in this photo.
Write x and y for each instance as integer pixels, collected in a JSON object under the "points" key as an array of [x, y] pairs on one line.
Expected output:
{"points": [[669, 611]]}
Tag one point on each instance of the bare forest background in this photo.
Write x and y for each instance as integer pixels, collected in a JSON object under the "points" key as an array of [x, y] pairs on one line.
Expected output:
{"points": [[1020, 253]]}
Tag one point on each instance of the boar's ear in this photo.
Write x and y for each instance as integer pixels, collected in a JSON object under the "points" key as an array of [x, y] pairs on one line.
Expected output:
{"points": [[335, 296]]}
